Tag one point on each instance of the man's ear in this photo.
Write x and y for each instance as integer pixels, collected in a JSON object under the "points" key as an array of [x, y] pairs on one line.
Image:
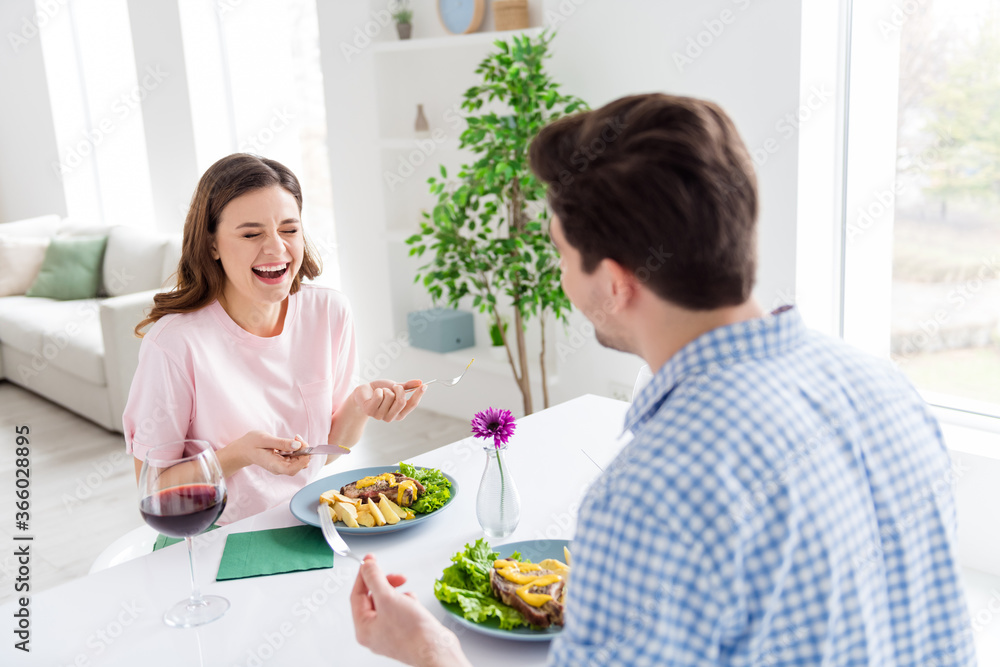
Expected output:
{"points": [[624, 286]]}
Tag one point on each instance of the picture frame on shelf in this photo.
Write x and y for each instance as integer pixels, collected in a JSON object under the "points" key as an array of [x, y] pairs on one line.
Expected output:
{"points": [[461, 17]]}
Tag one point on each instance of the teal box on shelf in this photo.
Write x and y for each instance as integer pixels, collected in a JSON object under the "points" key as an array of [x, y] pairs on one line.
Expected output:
{"points": [[440, 329]]}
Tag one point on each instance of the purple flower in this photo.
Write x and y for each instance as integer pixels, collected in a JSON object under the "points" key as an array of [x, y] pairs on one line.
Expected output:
{"points": [[494, 423]]}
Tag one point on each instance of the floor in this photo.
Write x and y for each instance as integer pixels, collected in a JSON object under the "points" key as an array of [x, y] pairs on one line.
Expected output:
{"points": [[82, 483]]}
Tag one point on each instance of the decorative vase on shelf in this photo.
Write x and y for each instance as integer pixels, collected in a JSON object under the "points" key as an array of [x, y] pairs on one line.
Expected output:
{"points": [[497, 349], [498, 353], [421, 127], [498, 504], [402, 14]]}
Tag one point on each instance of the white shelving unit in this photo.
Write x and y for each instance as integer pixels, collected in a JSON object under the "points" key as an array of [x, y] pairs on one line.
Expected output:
{"points": [[482, 39], [433, 71], [415, 143]]}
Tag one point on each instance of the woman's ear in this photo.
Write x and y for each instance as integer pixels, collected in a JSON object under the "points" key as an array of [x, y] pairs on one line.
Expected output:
{"points": [[215, 251]]}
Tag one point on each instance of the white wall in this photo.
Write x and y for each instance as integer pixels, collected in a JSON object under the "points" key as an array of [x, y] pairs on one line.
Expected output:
{"points": [[744, 55], [749, 64], [355, 171], [29, 186]]}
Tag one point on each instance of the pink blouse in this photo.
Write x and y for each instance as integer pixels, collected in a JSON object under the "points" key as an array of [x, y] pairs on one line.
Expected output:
{"points": [[202, 376]]}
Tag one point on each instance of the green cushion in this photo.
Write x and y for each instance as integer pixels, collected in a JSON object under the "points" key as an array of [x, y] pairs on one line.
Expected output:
{"points": [[71, 268]]}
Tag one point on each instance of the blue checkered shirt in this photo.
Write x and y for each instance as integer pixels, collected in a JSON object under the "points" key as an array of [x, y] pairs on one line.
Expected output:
{"points": [[785, 500]]}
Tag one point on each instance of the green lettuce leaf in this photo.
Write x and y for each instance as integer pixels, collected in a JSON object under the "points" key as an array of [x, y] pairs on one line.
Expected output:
{"points": [[479, 608], [438, 488], [466, 582]]}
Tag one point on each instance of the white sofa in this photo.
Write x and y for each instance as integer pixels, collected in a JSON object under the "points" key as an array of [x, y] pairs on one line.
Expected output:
{"points": [[82, 354]]}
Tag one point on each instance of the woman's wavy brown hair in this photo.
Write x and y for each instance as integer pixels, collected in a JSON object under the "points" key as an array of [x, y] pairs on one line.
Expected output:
{"points": [[200, 279]]}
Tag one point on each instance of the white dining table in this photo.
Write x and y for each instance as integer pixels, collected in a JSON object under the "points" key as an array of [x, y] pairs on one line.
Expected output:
{"points": [[114, 617]]}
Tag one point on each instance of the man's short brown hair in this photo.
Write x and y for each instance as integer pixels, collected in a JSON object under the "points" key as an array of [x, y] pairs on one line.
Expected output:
{"points": [[664, 186]]}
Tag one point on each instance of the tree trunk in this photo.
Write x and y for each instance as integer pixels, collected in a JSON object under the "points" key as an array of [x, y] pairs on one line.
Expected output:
{"points": [[541, 361], [522, 354], [522, 379], [506, 346], [515, 228]]}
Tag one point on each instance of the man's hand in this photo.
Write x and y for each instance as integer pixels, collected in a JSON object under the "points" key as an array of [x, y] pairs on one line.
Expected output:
{"points": [[264, 450], [386, 400], [394, 624]]}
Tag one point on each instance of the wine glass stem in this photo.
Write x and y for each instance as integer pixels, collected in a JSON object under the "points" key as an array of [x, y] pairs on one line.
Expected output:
{"points": [[195, 593]]}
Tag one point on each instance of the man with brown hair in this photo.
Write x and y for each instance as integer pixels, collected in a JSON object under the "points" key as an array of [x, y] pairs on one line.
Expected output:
{"points": [[805, 513]]}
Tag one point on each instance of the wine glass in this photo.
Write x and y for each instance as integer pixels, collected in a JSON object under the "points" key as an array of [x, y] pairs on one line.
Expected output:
{"points": [[181, 493]]}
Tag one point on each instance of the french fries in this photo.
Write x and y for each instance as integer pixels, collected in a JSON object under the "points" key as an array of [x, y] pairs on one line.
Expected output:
{"points": [[355, 513], [346, 513], [376, 513], [388, 513], [396, 509], [554, 565]]}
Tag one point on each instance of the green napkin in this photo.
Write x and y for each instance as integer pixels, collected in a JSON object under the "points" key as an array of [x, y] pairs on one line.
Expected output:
{"points": [[274, 551], [164, 541]]}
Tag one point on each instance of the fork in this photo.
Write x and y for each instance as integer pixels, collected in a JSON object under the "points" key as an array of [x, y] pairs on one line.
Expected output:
{"points": [[446, 383], [333, 538]]}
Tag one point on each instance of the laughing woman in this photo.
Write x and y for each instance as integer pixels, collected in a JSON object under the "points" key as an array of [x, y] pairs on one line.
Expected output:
{"points": [[245, 356]]}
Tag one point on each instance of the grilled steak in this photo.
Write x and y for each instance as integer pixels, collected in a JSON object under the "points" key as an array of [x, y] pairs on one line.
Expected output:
{"points": [[550, 613], [383, 486]]}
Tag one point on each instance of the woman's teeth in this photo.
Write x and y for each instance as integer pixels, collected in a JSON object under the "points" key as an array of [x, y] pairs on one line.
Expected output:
{"points": [[270, 271]]}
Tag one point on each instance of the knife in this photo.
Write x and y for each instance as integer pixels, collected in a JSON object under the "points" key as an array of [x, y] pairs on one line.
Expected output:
{"points": [[318, 449]]}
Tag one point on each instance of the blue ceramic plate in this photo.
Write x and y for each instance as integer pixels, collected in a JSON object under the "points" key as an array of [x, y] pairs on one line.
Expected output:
{"points": [[535, 551], [305, 504]]}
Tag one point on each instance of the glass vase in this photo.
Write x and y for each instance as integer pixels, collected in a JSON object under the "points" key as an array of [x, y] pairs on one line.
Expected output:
{"points": [[421, 127], [498, 505]]}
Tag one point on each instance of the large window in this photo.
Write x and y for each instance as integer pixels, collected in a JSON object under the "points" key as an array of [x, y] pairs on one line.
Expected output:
{"points": [[254, 83], [922, 195], [96, 108], [256, 86], [946, 244]]}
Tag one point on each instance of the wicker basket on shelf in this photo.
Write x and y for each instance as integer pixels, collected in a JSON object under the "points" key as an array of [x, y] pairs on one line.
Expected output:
{"points": [[510, 14]]}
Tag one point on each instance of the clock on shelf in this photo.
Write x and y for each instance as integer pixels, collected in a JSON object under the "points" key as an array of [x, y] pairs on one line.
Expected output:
{"points": [[461, 16]]}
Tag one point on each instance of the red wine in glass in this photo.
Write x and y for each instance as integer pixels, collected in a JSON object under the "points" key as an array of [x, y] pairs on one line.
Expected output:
{"points": [[182, 511], [182, 491]]}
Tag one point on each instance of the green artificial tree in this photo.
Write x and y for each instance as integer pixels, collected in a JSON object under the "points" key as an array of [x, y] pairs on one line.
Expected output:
{"points": [[487, 232], [964, 123]]}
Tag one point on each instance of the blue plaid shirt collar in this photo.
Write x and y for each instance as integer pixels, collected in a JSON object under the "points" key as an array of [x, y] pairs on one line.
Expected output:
{"points": [[759, 338]]}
